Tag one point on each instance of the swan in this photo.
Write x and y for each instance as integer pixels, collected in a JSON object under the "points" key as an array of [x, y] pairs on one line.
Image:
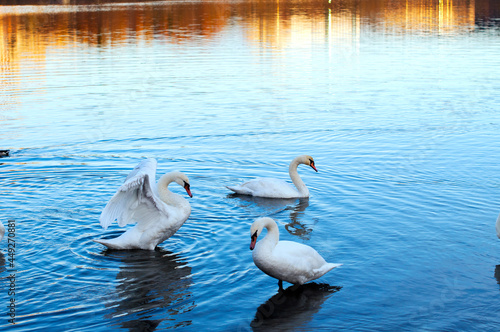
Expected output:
{"points": [[275, 188], [158, 212], [290, 261]]}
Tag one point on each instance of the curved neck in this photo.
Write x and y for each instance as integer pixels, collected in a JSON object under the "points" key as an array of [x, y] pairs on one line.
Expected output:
{"points": [[273, 235], [166, 195], [297, 181]]}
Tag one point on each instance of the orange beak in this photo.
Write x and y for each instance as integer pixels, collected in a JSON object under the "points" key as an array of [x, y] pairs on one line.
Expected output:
{"points": [[253, 241], [187, 187]]}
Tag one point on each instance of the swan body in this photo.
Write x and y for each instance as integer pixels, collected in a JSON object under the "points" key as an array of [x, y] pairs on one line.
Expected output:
{"points": [[2, 231], [498, 226], [157, 212], [275, 188], [290, 261]]}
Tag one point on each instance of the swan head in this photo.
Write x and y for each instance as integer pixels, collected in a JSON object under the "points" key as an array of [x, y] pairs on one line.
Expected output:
{"points": [[182, 180], [307, 160], [256, 228]]}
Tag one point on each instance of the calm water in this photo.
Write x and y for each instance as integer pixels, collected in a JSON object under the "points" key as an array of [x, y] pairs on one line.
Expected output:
{"points": [[397, 101]]}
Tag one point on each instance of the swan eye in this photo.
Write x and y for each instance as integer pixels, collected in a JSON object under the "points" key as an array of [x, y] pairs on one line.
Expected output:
{"points": [[254, 236], [186, 185]]}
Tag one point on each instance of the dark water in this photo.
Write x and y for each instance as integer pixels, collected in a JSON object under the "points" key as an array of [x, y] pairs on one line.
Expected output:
{"points": [[397, 101]]}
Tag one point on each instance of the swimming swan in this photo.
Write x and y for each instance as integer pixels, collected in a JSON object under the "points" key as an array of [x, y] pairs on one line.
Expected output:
{"points": [[158, 212], [290, 261], [275, 188]]}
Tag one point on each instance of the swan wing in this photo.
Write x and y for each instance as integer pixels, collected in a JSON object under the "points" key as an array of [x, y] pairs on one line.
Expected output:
{"points": [[145, 167], [136, 200], [298, 255], [300, 263]]}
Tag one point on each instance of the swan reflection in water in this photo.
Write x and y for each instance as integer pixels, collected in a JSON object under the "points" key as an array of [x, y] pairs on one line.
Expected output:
{"points": [[297, 226], [273, 206], [293, 307], [153, 286]]}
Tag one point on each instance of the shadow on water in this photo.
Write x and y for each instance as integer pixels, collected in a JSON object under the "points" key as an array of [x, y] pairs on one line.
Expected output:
{"points": [[293, 307], [153, 286]]}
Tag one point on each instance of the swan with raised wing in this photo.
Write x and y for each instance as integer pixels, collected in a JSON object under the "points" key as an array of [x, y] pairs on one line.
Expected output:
{"points": [[289, 261], [276, 188], [157, 212]]}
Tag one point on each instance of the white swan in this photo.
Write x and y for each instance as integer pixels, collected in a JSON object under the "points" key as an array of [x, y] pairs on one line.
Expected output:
{"points": [[158, 212], [290, 261], [275, 188], [498, 226]]}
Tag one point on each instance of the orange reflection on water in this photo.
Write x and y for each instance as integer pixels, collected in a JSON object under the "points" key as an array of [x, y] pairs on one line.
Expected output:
{"points": [[430, 16], [29, 31], [25, 26]]}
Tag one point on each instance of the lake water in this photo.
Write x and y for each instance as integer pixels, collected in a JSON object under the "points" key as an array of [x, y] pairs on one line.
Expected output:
{"points": [[397, 101]]}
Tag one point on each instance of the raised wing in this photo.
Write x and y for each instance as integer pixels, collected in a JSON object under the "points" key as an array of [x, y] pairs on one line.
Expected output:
{"points": [[136, 200]]}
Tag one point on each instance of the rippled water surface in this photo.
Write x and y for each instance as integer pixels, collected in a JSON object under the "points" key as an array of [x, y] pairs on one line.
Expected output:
{"points": [[397, 101]]}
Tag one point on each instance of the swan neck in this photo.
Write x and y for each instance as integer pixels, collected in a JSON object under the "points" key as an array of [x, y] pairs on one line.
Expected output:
{"points": [[297, 181], [165, 194], [273, 235]]}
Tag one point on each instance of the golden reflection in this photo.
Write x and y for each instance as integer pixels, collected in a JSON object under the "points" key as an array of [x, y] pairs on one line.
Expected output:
{"points": [[29, 32], [430, 16]]}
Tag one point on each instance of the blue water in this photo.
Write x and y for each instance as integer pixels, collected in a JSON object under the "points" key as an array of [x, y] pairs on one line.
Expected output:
{"points": [[398, 106]]}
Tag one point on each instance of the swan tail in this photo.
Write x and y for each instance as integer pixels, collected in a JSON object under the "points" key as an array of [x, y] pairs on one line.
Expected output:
{"points": [[239, 190], [326, 267], [109, 243], [125, 242]]}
